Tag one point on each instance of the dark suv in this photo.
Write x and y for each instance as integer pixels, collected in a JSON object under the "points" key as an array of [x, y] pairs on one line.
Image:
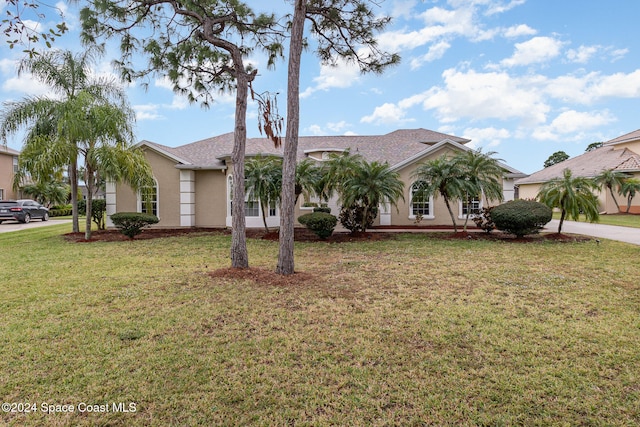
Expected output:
{"points": [[22, 210]]}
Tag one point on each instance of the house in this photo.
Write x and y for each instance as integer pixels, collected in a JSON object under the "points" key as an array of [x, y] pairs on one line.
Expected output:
{"points": [[194, 181], [620, 154], [8, 167]]}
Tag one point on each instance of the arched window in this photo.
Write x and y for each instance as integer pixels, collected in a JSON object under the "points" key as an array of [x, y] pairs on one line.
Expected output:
{"points": [[421, 203], [148, 199]]}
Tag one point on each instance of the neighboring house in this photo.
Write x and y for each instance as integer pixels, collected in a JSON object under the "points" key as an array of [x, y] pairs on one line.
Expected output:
{"points": [[8, 167], [194, 181], [621, 154]]}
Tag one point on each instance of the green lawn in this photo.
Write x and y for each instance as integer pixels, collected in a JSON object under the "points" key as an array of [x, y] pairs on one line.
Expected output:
{"points": [[621, 219], [411, 331]]}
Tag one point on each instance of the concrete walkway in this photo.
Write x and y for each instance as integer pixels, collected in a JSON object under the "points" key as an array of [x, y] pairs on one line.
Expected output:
{"points": [[612, 232]]}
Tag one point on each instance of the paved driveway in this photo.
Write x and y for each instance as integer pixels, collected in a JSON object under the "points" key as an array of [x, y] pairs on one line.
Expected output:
{"points": [[8, 226], [612, 232]]}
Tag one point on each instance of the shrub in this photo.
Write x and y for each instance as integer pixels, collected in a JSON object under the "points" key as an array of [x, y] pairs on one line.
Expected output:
{"points": [[351, 218], [521, 217], [132, 223], [60, 210], [325, 209], [98, 209], [321, 223], [484, 220]]}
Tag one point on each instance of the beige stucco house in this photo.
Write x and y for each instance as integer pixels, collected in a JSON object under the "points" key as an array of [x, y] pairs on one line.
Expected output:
{"points": [[193, 181], [8, 167], [621, 154]]}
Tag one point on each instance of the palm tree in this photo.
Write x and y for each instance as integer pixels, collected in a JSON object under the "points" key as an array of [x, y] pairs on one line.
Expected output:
{"points": [[336, 171], [48, 119], [308, 179], [446, 177], [629, 188], [572, 196], [484, 175], [611, 178], [263, 182], [370, 185]]}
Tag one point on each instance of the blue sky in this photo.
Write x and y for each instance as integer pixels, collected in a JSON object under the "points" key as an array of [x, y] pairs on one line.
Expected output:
{"points": [[524, 78]]}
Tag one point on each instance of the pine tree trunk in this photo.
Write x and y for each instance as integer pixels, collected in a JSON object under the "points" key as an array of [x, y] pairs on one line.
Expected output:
{"points": [[239, 255], [286, 261]]}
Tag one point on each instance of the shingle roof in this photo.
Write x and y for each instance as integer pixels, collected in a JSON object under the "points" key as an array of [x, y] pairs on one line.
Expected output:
{"points": [[393, 147], [631, 136], [588, 164]]}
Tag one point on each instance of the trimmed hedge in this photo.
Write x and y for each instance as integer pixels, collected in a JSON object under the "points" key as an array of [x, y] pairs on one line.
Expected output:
{"points": [[321, 223], [132, 223], [325, 209], [521, 217]]}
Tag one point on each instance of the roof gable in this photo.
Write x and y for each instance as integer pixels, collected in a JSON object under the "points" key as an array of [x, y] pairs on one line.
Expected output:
{"points": [[588, 164], [631, 136]]}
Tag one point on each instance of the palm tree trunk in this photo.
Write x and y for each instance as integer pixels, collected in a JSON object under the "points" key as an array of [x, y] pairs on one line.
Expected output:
{"points": [[614, 199], [562, 216], [88, 181], [73, 182], [264, 217], [288, 199], [453, 218]]}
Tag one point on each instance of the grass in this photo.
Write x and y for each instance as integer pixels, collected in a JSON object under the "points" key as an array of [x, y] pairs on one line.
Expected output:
{"points": [[412, 331], [623, 220]]}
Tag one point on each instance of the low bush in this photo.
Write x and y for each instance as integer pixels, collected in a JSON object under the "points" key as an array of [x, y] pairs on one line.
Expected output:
{"points": [[60, 210], [325, 209], [484, 220], [351, 218], [521, 217], [321, 223], [131, 223]]}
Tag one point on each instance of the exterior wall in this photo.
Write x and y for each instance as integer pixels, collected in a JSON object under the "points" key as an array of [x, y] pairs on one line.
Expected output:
{"points": [[528, 191], [402, 215], [632, 145], [210, 198], [6, 176], [168, 180]]}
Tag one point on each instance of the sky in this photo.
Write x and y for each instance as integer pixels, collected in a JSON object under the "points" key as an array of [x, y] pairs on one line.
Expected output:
{"points": [[522, 78]]}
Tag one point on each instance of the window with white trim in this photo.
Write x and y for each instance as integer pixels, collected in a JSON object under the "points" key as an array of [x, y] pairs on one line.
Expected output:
{"points": [[421, 203], [251, 207], [470, 206], [148, 199], [15, 164]]}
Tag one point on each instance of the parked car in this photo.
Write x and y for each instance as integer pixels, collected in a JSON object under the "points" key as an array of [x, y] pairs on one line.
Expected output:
{"points": [[22, 210]]}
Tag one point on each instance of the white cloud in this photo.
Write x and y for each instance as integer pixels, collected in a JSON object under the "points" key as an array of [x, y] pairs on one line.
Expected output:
{"points": [[490, 137], [617, 54], [387, 113], [519, 31], [315, 130], [436, 51], [341, 75], [534, 51], [573, 123], [486, 95], [583, 54], [147, 112], [337, 127], [594, 86]]}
